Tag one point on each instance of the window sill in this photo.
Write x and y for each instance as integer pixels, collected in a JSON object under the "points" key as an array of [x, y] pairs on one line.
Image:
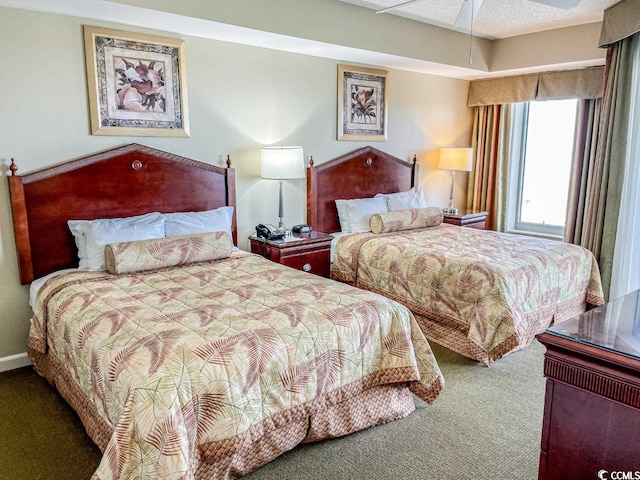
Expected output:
{"points": [[536, 234]]}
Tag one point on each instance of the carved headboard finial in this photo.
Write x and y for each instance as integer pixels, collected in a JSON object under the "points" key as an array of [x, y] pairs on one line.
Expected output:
{"points": [[13, 167], [415, 159], [311, 160], [228, 161]]}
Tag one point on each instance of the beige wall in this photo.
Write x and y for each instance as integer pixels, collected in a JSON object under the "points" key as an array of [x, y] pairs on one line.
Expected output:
{"points": [[333, 22], [240, 98], [563, 47], [417, 44]]}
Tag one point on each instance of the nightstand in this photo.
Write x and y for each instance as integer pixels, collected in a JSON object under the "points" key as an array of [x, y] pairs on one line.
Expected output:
{"points": [[467, 218], [309, 253]]}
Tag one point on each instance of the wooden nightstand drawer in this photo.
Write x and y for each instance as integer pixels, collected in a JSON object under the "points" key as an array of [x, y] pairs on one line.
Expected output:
{"points": [[315, 261], [307, 253]]}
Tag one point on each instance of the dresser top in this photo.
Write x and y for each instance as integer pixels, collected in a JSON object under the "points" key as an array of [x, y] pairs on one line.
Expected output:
{"points": [[614, 327]]}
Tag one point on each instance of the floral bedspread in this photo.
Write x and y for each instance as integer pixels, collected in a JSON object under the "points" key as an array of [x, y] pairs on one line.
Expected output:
{"points": [[181, 359], [478, 291]]}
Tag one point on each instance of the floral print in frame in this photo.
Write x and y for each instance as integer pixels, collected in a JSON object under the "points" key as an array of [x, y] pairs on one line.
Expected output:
{"points": [[362, 104], [137, 84]]}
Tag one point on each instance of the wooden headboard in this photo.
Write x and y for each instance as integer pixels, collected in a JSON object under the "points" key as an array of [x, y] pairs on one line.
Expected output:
{"points": [[122, 182], [358, 174]]}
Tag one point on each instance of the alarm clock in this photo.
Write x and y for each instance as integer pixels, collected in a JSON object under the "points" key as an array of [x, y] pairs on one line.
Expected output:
{"points": [[302, 228]]}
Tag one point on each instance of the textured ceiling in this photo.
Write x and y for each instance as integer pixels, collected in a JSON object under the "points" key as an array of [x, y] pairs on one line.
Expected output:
{"points": [[495, 18]]}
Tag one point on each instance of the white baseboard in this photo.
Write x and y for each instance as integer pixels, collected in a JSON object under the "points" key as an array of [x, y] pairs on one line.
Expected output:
{"points": [[14, 361]]}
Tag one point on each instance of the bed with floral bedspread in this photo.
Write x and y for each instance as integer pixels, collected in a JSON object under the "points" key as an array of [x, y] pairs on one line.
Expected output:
{"points": [[211, 369], [480, 293]]}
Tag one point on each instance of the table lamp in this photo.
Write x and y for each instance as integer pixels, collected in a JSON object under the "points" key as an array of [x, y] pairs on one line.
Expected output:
{"points": [[282, 163], [455, 159]]}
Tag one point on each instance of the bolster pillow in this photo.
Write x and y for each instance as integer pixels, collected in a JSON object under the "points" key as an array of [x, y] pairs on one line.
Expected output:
{"points": [[399, 220], [142, 255]]}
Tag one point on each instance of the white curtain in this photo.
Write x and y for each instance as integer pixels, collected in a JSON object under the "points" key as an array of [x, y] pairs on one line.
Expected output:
{"points": [[625, 274]]}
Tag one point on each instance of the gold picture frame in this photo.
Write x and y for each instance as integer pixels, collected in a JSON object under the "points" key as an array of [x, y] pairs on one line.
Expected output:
{"points": [[137, 83], [362, 104]]}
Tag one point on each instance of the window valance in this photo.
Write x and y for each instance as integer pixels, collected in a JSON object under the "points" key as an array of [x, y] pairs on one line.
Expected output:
{"points": [[584, 83], [619, 22]]}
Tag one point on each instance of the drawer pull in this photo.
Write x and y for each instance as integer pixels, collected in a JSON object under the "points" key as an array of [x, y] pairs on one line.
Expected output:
{"points": [[306, 267]]}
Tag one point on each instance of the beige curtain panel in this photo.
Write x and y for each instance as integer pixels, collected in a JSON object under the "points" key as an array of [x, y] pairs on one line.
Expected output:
{"points": [[619, 22], [583, 84]]}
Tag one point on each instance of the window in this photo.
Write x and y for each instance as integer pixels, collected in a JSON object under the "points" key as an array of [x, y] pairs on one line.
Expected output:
{"points": [[543, 167]]}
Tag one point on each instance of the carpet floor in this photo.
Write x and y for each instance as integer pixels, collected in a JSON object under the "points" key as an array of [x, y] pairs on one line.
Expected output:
{"points": [[486, 424]]}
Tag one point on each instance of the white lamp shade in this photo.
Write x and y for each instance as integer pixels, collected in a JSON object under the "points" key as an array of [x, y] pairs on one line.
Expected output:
{"points": [[282, 163], [456, 159]]}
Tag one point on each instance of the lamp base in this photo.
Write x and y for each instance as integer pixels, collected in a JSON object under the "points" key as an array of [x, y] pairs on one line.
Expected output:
{"points": [[450, 211]]}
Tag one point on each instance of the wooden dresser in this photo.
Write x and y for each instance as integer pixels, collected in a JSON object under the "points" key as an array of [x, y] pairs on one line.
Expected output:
{"points": [[591, 425]]}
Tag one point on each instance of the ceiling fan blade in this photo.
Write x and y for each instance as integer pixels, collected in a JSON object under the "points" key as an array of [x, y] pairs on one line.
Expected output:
{"points": [[397, 6], [467, 14], [564, 4]]}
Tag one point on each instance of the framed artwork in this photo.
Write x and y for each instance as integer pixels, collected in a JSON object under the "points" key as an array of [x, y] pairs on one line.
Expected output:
{"points": [[362, 104], [137, 84]]}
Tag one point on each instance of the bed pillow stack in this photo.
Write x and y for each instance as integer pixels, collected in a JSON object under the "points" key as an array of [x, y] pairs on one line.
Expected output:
{"points": [[355, 215], [92, 236]]}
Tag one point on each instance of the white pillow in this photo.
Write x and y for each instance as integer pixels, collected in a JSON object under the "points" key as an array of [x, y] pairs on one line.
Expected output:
{"points": [[422, 203], [92, 236], [404, 200], [361, 210], [411, 191], [187, 223], [81, 241], [343, 215]]}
